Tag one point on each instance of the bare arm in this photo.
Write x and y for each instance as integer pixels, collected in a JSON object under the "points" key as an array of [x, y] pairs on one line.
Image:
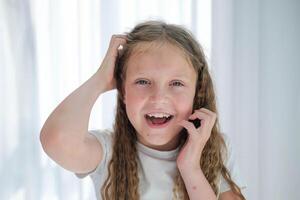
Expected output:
{"points": [[64, 135], [197, 185], [229, 195]]}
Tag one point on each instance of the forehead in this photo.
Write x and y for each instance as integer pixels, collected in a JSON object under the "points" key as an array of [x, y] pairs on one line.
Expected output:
{"points": [[158, 58]]}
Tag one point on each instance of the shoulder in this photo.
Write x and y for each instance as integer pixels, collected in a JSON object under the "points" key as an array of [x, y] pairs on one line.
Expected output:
{"points": [[104, 137], [231, 163], [226, 148]]}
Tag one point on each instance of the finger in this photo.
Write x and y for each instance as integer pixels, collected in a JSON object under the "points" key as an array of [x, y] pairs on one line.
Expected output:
{"points": [[189, 126], [205, 118], [114, 46], [212, 115], [199, 115], [120, 48], [119, 38], [209, 112], [123, 36], [116, 42], [206, 115]]}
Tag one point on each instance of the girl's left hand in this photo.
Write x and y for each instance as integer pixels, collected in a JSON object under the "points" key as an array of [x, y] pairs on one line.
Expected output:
{"points": [[190, 154]]}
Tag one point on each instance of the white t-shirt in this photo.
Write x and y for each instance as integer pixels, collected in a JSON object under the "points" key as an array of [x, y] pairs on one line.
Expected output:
{"points": [[156, 172]]}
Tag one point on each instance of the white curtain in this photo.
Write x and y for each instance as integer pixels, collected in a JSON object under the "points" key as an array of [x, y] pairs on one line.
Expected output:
{"points": [[255, 59], [47, 49]]}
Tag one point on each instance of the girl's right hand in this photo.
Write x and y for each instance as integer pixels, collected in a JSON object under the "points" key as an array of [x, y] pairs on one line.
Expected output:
{"points": [[106, 70]]}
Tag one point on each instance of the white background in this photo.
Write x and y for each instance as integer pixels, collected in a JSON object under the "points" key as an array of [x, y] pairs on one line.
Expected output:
{"points": [[48, 48]]}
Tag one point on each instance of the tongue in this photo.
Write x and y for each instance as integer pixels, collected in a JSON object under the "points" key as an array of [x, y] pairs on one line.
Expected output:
{"points": [[158, 120]]}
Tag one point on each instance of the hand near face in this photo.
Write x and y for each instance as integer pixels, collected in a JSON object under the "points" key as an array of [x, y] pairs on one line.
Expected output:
{"points": [[106, 70], [190, 154]]}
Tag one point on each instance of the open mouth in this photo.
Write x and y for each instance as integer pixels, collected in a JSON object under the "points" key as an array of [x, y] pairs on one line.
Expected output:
{"points": [[158, 119]]}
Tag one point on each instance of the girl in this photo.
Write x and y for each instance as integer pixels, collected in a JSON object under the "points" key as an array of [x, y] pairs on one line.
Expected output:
{"points": [[166, 141]]}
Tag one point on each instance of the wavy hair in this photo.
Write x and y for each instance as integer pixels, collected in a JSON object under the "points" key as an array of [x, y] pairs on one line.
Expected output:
{"points": [[122, 181]]}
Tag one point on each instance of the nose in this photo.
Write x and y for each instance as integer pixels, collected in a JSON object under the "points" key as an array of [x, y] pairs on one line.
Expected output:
{"points": [[159, 95]]}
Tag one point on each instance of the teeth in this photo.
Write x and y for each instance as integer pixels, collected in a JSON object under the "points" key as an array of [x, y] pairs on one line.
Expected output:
{"points": [[158, 115]]}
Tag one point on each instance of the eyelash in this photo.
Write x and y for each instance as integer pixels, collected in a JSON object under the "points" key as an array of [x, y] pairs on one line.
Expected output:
{"points": [[144, 82], [140, 82], [177, 83]]}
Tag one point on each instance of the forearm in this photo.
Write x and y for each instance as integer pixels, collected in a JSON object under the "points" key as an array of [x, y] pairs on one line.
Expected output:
{"points": [[197, 185], [72, 114]]}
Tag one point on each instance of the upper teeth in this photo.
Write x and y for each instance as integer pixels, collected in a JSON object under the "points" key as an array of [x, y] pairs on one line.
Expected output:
{"points": [[159, 115]]}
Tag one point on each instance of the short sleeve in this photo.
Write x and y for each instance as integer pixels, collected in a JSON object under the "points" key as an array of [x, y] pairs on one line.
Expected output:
{"points": [[104, 138], [233, 168]]}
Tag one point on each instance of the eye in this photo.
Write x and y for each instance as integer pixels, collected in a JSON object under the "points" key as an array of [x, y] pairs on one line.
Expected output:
{"points": [[142, 82], [177, 83]]}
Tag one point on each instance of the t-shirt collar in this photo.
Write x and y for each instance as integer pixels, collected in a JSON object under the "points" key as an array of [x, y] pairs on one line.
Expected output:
{"points": [[164, 155]]}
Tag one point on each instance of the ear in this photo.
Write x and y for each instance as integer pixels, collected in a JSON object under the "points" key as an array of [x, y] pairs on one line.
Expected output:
{"points": [[124, 95], [124, 99]]}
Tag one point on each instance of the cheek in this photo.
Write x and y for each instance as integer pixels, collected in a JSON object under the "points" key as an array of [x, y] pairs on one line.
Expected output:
{"points": [[134, 102], [184, 104], [132, 97]]}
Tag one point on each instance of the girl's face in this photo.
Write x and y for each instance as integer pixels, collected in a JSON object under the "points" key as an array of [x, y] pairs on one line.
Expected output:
{"points": [[159, 92]]}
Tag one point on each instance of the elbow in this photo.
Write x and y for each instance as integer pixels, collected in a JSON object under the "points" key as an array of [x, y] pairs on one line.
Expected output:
{"points": [[49, 139], [43, 139]]}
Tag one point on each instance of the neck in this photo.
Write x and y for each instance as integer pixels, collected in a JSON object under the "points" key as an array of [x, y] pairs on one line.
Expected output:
{"points": [[171, 145]]}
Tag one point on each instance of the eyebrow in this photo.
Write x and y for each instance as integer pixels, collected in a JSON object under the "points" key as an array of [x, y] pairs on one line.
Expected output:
{"points": [[175, 77]]}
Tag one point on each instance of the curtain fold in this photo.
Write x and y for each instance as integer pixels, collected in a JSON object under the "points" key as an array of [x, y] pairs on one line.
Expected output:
{"points": [[47, 49], [19, 107], [255, 47]]}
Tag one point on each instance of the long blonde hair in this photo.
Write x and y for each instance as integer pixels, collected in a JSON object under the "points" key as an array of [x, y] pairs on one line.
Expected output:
{"points": [[122, 181]]}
